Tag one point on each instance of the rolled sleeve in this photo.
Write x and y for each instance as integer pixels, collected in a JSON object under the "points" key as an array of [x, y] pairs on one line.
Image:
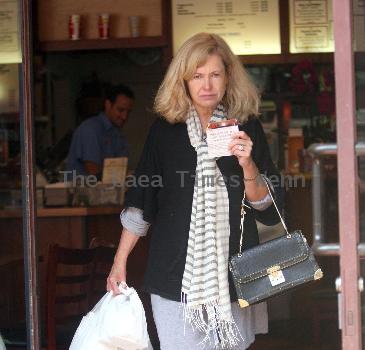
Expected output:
{"points": [[261, 204], [132, 219], [265, 202]]}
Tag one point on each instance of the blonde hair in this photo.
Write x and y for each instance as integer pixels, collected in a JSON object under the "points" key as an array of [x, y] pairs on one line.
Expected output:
{"points": [[173, 102]]}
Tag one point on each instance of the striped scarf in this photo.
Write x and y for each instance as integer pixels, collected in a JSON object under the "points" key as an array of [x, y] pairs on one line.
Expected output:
{"points": [[205, 291]]}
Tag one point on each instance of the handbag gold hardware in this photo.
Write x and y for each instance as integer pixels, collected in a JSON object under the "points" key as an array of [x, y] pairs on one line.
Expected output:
{"points": [[243, 303], [318, 274], [273, 269]]}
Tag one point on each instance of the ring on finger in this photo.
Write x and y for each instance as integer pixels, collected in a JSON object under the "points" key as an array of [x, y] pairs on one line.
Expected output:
{"points": [[240, 147]]}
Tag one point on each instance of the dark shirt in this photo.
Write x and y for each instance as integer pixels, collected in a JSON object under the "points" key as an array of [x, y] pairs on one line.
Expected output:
{"points": [[95, 139], [168, 155]]}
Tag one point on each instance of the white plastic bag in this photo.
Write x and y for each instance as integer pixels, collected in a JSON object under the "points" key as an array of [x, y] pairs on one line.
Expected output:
{"points": [[2, 345], [116, 323]]}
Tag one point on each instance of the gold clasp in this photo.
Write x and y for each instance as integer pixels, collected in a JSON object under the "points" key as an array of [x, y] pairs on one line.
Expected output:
{"points": [[273, 269], [275, 275]]}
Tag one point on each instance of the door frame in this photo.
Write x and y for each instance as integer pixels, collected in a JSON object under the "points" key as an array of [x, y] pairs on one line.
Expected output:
{"points": [[348, 202], [28, 176]]}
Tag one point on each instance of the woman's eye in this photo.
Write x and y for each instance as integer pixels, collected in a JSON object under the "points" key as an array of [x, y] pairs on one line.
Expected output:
{"points": [[197, 76], [216, 75]]}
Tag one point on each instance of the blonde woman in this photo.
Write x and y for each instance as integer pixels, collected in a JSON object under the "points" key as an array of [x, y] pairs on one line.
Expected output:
{"points": [[194, 224]]}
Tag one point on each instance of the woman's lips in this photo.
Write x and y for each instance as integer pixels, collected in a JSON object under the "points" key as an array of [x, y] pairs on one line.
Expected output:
{"points": [[207, 97]]}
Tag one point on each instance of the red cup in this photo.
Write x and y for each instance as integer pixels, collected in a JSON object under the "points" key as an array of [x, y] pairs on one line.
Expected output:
{"points": [[74, 27], [103, 23]]}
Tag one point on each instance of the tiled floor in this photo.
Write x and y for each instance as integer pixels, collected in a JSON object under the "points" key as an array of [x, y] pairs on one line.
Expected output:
{"points": [[283, 345], [297, 336]]}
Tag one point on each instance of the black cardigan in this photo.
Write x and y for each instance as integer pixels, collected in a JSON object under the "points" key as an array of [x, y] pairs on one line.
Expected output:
{"points": [[164, 187]]}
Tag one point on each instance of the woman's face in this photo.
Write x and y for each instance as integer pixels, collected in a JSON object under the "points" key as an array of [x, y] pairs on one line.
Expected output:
{"points": [[208, 84]]}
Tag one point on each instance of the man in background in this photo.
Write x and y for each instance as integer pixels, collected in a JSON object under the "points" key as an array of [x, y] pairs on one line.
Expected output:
{"points": [[100, 136]]}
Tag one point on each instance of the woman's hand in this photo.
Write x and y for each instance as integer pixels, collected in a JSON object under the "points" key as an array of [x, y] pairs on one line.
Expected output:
{"points": [[241, 147], [118, 274]]}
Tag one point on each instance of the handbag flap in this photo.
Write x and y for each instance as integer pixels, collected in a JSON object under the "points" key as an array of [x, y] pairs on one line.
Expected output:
{"points": [[280, 252]]}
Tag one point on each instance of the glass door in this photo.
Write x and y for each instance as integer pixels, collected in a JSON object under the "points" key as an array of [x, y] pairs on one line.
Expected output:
{"points": [[18, 263]]}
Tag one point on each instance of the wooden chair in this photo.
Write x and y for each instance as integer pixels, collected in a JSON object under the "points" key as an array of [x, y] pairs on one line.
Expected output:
{"points": [[68, 293], [103, 261]]}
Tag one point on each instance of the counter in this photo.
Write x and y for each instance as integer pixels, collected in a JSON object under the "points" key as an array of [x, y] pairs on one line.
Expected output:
{"points": [[63, 211], [69, 227]]}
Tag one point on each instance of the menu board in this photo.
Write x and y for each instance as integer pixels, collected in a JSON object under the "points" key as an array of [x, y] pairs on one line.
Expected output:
{"points": [[249, 27], [9, 32], [9, 88], [311, 26]]}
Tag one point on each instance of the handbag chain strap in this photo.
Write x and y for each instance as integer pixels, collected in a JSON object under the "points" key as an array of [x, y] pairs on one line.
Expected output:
{"points": [[243, 212]]}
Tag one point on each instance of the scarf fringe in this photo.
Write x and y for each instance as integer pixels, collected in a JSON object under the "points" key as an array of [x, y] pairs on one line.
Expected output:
{"points": [[224, 332]]}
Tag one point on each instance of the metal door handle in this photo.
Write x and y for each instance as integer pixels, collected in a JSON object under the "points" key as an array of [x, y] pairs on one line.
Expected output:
{"points": [[317, 151], [338, 285], [360, 284]]}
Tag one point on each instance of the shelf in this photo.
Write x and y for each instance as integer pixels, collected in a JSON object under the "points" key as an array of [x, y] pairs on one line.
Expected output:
{"points": [[286, 58], [9, 118], [101, 44], [13, 118], [64, 212], [287, 95]]}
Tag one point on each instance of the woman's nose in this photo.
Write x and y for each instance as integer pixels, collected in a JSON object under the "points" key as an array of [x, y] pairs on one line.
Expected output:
{"points": [[206, 83]]}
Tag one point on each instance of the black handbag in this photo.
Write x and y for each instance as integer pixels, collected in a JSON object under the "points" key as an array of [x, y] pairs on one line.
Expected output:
{"points": [[272, 267]]}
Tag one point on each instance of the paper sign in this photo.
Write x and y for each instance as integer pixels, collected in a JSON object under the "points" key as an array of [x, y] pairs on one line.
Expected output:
{"points": [[114, 170], [311, 26], [218, 140], [9, 32]]}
